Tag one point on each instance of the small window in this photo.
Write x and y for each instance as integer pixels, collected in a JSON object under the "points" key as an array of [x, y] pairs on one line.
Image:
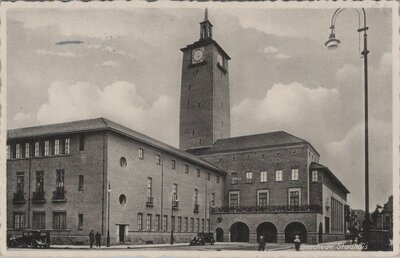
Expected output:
{"points": [[80, 184], [27, 150], [263, 176], [249, 177], [140, 221], [80, 221], [81, 142], [198, 172], [314, 176], [233, 199], [122, 162], [57, 147], [18, 151], [278, 175], [141, 153], [157, 223], [148, 222], [19, 220], [165, 223], [186, 168], [234, 178], [173, 164], [67, 146], [295, 174], [37, 149], [158, 159], [122, 199]]}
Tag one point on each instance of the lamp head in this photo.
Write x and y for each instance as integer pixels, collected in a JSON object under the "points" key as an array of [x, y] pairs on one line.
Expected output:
{"points": [[332, 42]]}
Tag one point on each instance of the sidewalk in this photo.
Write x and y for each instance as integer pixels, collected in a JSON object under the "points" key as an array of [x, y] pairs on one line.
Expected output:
{"points": [[117, 246]]}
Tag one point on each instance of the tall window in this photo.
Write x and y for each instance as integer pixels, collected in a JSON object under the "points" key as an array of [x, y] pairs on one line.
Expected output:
{"points": [[175, 192], [20, 182], [27, 150], [191, 224], [208, 225], [141, 153], [197, 225], [186, 168], [294, 197], [263, 176], [60, 180], [198, 172], [202, 225], [234, 178], [19, 220], [278, 175], [179, 224], [262, 198], [81, 142], [80, 221], [196, 196], [295, 174], [47, 148], [158, 159], [8, 151], [140, 221], [185, 225], [39, 182], [38, 220], [157, 223], [80, 183], [149, 192], [57, 147], [173, 223], [148, 222], [249, 177], [18, 151], [233, 199], [66, 146], [173, 165], [314, 176], [37, 149], [212, 199], [165, 223], [59, 220]]}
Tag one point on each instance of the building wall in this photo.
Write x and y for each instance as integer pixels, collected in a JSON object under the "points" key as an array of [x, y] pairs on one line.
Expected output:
{"points": [[269, 160], [132, 181], [87, 202]]}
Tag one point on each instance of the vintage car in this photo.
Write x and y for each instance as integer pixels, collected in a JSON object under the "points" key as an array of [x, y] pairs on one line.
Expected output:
{"points": [[29, 238], [202, 239]]}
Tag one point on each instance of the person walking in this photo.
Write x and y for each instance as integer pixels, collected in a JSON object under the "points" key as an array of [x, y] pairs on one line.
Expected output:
{"points": [[261, 244], [297, 243], [91, 238], [98, 239]]}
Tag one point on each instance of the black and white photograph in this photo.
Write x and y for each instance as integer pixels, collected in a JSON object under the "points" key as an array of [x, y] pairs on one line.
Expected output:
{"points": [[200, 129]]}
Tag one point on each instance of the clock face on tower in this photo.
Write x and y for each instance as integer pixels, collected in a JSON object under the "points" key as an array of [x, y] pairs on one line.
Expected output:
{"points": [[197, 55]]}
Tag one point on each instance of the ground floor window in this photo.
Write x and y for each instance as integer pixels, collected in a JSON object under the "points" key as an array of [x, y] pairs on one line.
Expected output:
{"points": [[59, 220], [38, 220], [157, 223], [19, 220], [165, 223]]}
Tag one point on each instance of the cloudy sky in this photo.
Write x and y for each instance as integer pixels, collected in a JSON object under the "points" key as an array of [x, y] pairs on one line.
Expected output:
{"points": [[125, 64]]}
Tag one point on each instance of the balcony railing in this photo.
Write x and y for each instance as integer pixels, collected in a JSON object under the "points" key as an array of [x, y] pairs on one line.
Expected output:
{"points": [[196, 208], [59, 195], [38, 197], [19, 198], [175, 204], [150, 201], [268, 209]]}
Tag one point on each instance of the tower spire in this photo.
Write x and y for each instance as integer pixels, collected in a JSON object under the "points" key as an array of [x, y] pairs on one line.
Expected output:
{"points": [[205, 27], [206, 14]]}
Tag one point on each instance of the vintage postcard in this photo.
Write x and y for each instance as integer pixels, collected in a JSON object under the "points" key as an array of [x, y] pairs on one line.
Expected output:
{"points": [[199, 129]]}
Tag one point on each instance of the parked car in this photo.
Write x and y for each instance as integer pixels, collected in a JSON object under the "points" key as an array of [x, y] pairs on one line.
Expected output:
{"points": [[202, 239], [30, 239]]}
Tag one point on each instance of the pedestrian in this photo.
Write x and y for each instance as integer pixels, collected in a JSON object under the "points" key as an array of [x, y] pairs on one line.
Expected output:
{"points": [[91, 238], [98, 239], [261, 244], [297, 243]]}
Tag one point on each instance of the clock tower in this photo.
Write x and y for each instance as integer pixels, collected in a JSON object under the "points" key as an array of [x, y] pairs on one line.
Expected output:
{"points": [[204, 103]]}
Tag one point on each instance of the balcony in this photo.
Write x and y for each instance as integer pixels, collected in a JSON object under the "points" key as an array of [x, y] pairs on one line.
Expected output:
{"points": [[38, 197], [59, 195], [150, 201], [19, 198], [175, 204], [268, 209], [196, 208]]}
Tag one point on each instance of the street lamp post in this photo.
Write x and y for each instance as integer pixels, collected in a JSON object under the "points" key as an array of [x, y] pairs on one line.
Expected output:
{"points": [[333, 43], [108, 215], [172, 222]]}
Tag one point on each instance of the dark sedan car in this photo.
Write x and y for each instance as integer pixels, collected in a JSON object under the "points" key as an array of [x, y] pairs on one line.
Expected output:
{"points": [[30, 239]]}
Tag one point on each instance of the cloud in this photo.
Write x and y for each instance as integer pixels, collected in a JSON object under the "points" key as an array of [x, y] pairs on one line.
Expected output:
{"points": [[276, 54], [21, 119], [281, 56], [110, 63], [53, 53], [120, 102], [270, 49]]}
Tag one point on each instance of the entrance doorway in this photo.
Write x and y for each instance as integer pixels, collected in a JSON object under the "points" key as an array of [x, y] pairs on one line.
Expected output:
{"points": [[293, 229], [320, 233], [122, 234], [220, 235], [268, 231], [239, 232]]}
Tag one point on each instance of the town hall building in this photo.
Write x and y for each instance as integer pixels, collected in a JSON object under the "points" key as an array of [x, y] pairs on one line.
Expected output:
{"points": [[96, 174]]}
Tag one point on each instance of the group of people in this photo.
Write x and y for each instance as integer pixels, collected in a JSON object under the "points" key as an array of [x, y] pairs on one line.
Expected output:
{"points": [[262, 243], [93, 237]]}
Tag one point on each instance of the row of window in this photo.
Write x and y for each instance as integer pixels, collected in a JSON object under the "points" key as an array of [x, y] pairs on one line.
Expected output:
{"points": [[250, 156], [39, 220], [264, 176], [181, 225], [40, 148], [294, 197]]}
